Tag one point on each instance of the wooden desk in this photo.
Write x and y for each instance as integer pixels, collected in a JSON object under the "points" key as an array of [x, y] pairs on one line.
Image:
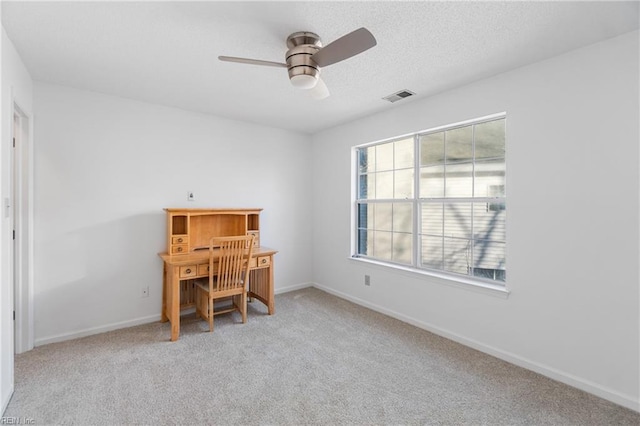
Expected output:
{"points": [[184, 267]]}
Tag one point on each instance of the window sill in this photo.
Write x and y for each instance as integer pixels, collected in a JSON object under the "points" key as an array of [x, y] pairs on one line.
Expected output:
{"points": [[444, 279]]}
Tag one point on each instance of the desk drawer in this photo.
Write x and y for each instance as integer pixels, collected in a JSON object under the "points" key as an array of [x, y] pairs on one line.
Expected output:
{"points": [[180, 240], [180, 249], [203, 269], [264, 261], [188, 271], [256, 234]]}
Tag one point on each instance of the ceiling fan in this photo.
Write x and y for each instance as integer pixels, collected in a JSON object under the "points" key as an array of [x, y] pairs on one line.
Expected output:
{"points": [[306, 57]]}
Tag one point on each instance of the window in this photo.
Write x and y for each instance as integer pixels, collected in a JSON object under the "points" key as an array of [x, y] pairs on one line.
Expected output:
{"points": [[436, 200]]}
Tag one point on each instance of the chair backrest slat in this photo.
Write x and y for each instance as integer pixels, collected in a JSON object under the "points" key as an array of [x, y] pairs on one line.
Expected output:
{"points": [[232, 255]]}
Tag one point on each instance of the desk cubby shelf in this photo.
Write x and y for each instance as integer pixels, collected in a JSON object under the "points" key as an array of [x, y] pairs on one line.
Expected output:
{"points": [[189, 230]]}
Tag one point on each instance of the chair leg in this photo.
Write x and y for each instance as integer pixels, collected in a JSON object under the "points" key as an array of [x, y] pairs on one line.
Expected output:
{"points": [[210, 315], [197, 300], [243, 306], [202, 309]]}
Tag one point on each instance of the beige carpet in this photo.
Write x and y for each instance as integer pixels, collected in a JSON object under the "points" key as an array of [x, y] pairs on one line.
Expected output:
{"points": [[319, 360]]}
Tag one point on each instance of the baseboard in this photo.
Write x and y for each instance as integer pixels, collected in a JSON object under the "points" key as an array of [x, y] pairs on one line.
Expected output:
{"points": [[5, 400], [294, 287], [555, 374], [96, 330]]}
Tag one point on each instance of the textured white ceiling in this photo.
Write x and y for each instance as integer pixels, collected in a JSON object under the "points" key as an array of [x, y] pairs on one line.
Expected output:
{"points": [[166, 52]]}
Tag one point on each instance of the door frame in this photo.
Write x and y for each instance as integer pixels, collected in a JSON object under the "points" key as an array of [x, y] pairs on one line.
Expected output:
{"points": [[22, 263]]}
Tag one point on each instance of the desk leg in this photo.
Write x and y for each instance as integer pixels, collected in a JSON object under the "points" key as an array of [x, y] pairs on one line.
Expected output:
{"points": [[173, 300], [271, 307], [163, 313], [261, 287]]}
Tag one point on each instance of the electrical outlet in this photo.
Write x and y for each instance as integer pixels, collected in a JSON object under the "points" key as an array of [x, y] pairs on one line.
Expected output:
{"points": [[367, 280], [144, 291], [191, 196]]}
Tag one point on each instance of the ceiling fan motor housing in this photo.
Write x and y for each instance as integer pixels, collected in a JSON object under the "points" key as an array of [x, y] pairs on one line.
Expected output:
{"points": [[303, 71]]}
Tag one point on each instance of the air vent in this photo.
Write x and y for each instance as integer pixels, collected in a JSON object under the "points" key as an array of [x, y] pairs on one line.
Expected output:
{"points": [[394, 97]]}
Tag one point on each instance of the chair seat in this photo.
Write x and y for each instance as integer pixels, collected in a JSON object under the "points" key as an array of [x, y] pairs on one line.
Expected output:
{"points": [[204, 284]]}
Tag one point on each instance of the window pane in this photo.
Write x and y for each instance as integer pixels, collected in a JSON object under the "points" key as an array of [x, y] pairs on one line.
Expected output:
{"points": [[432, 182], [458, 144], [402, 217], [365, 242], [384, 185], [384, 156], [491, 274], [403, 184], [382, 245], [489, 256], [457, 220], [383, 217], [459, 180], [457, 255], [489, 138], [363, 215], [432, 252], [488, 224], [367, 159], [367, 189], [402, 248], [432, 149], [403, 154], [489, 181], [431, 219]]}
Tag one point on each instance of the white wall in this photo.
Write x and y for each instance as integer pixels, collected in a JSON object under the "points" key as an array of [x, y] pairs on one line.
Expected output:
{"points": [[572, 212], [17, 88], [105, 168]]}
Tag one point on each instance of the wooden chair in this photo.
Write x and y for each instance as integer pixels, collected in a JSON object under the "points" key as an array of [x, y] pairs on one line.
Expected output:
{"points": [[228, 277]]}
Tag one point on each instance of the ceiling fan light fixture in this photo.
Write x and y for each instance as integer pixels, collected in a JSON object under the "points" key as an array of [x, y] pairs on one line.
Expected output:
{"points": [[303, 72], [304, 81]]}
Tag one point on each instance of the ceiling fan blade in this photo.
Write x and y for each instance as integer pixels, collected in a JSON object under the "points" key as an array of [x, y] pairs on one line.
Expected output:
{"points": [[319, 91], [345, 47], [252, 61]]}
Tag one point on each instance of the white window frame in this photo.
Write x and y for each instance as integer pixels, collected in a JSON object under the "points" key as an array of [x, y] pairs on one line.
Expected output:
{"points": [[415, 267]]}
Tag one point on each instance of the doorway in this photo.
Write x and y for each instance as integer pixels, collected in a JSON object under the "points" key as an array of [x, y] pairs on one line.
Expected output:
{"points": [[22, 255]]}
